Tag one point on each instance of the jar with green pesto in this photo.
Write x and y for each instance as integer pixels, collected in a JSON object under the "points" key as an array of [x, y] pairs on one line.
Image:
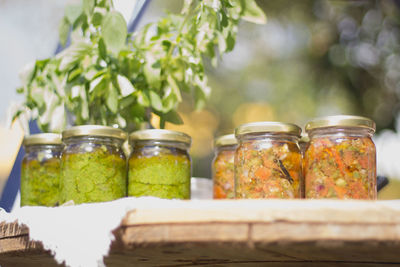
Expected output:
{"points": [[93, 164], [40, 171], [159, 164]]}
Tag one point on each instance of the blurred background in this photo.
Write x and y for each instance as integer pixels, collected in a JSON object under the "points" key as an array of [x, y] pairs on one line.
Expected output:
{"points": [[312, 58]]}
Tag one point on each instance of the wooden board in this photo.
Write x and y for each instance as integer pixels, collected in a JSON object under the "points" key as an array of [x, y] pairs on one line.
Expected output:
{"points": [[17, 250], [240, 233]]}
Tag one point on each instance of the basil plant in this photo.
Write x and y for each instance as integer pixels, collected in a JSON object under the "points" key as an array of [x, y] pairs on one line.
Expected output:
{"points": [[108, 76]]}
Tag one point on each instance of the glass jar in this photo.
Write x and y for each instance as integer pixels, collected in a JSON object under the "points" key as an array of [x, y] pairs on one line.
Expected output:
{"points": [[93, 164], [340, 161], [223, 167], [40, 171], [159, 164], [268, 161]]}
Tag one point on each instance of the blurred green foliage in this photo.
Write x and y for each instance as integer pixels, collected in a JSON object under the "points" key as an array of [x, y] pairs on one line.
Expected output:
{"points": [[312, 58], [316, 58]]}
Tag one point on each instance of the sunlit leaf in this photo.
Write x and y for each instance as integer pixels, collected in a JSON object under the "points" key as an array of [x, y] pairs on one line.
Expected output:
{"points": [[98, 87], [75, 73], [88, 6], [143, 99], [173, 117], [126, 101], [72, 12], [73, 55], [63, 30], [102, 49], [253, 13], [152, 71], [169, 102], [175, 88], [37, 96], [125, 85], [27, 72], [114, 31], [112, 99], [230, 43], [97, 19], [155, 101]]}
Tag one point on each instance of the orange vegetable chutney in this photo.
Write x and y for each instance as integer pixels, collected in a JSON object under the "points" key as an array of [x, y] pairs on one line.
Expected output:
{"points": [[223, 167], [268, 161], [340, 160]]}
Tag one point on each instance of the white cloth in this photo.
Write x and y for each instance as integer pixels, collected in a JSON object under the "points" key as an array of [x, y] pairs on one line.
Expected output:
{"points": [[78, 235]]}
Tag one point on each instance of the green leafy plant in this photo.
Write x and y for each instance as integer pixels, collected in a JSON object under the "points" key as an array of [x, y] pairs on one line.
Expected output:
{"points": [[109, 77]]}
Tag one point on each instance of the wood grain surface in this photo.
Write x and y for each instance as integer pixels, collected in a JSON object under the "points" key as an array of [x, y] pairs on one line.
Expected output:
{"points": [[242, 233]]}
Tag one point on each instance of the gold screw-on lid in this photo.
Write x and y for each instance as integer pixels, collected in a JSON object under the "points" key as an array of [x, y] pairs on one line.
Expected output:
{"points": [[268, 127], [161, 135], [94, 130], [341, 121], [43, 139], [226, 140]]}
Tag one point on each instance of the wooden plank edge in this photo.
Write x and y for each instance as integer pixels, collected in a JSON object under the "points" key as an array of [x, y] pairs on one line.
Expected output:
{"points": [[255, 232], [14, 239], [240, 213], [13, 229]]}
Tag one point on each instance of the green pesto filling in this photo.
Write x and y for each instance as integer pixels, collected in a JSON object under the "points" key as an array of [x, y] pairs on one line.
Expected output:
{"points": [[92, 176], [164, 176], [180, 191], [40, 182]]}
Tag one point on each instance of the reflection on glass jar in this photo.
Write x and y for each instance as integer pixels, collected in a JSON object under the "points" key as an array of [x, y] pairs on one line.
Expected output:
{"points": [[340, 161], [40, 171], [223, 171], [268, 161], [159, 164], [93, 165], [303, 144]]}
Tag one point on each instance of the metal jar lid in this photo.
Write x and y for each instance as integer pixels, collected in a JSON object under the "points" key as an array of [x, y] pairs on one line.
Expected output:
{"points": [[94, 130], [226, 140], [160, 135], [341, 121], [43, 139], [268, 127]]}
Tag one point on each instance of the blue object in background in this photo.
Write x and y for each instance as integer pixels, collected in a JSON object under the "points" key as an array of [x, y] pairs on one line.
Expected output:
{"points": [[12, 185]]}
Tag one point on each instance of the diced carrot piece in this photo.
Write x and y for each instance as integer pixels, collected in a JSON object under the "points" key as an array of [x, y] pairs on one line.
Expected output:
{"points": [[263, 173], [219, 192]]}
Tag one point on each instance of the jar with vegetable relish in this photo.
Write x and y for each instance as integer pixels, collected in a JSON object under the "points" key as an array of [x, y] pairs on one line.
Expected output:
{"points": [[40, 172], [340, 161], [268, 161], [159, 164], [223, 171], [93, 164]]}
